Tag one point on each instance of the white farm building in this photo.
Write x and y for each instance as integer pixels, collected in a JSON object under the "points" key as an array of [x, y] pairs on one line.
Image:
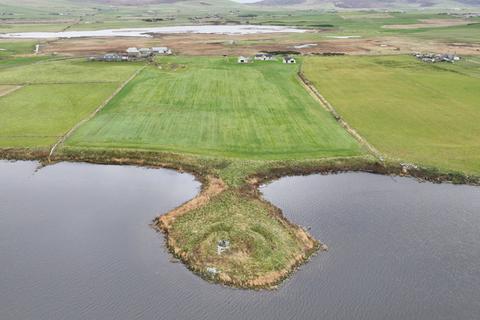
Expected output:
{"points": [[243, 59], [263, 57], [161, 50]]}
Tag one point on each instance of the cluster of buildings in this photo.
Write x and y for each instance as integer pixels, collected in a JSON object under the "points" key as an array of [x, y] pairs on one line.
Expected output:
{"points": [[133, 53], [435, 57], [265, 57]]}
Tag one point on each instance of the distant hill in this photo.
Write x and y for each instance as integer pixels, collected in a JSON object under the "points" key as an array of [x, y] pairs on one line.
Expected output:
{"points": [[371, 4], [133, 2]]}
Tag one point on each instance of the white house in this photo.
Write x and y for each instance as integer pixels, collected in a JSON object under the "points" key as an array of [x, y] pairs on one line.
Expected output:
{"points": [[161, 50], [263, 57], [133, 52], [243, 59], [145, 52], [289, 60]]}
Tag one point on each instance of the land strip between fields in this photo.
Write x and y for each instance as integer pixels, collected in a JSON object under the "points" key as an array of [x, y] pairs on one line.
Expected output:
{"points": [[93, 114], [325, 104], [214, 186]]}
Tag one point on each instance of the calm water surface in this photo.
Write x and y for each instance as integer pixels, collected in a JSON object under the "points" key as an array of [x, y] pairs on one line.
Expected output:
{"points": [[75, 244], [146, 32]]}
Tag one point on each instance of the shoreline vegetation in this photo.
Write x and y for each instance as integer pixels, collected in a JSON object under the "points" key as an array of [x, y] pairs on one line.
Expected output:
{"points": [[231, 187]]}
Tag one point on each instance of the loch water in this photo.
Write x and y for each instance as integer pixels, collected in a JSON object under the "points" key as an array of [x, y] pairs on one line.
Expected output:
{"points": [[75, 243]]}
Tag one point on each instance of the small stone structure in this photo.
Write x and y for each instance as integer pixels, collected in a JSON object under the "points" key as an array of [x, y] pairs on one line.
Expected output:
{"points": [[212, 271], [222, 246]]}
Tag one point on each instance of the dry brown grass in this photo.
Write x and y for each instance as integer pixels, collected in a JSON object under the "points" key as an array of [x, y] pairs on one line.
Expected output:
{"points": [[429, 23]]}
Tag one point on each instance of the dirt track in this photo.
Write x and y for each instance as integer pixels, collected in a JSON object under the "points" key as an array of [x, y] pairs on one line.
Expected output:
{"points": [[10, 90]]}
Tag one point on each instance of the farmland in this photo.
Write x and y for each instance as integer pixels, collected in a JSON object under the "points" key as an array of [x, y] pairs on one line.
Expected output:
{"points": [[53, 96], [217, 107], [411, 111], [236, 126]]}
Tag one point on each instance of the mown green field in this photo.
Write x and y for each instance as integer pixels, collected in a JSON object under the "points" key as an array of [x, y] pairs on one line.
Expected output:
{"points": [[40, 71], [217, 107], [37, 115], [55, 96], [417, 112]]}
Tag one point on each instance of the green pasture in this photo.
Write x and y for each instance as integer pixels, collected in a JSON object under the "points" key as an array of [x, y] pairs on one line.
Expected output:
{"points": [[37, 115], [56, 95], [217, 107], [409, 110], [15, 47], [65, 71]]}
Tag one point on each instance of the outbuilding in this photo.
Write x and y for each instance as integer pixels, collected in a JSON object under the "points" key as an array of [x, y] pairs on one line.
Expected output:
{"points": [[145, 52], [289, 60], [161, 50], [243, 59], [263, 57]]}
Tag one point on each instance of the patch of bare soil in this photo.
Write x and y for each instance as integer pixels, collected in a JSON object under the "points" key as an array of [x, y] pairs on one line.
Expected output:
{"points": [[377, 15], [429, 23], [92, 46], [6, 90], [409, 45], [390, 45], [36, 21]]}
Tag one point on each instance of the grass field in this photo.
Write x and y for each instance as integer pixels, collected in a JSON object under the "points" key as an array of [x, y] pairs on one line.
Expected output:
{"points": [[9, 48], [37, 115], [57, 95], [217, 107], [427, 114], [43, 71]]}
